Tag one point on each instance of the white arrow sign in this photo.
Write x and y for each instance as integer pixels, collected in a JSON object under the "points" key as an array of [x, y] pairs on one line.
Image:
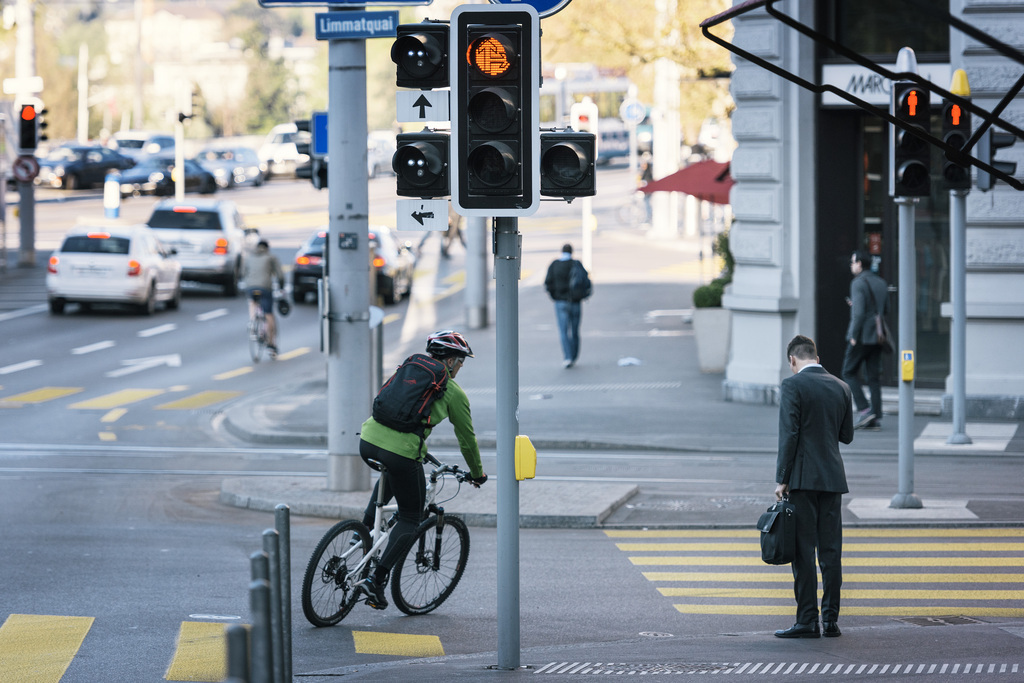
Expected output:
{"points": [[422, 214], [420, 106], [139, 364]]}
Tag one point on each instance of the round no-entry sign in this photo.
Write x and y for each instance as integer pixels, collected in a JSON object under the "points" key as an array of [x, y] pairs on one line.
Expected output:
{"points": [[545, 8], [25, 168]]}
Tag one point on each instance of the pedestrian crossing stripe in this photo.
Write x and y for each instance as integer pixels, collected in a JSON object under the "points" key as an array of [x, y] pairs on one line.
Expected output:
{"points": [[116, 399], [41, 395], [399, 644], [783, 669], [38, 648], [955, 587], [201, 653], [200, 400]]}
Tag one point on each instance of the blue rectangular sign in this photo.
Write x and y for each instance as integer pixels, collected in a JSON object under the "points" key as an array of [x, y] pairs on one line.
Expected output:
{"points": [[353, 3], [318, 129], [356, 25]]}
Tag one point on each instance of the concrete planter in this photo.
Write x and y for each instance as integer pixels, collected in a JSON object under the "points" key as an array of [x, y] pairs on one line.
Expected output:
{"points": [[711, 327]]}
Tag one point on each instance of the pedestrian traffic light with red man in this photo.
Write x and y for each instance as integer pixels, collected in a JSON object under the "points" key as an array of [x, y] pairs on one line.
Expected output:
{"points": [[909, 155]]}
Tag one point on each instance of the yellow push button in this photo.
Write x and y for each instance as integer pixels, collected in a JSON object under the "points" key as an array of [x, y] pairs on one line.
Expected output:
{"points": [[526, 458]]}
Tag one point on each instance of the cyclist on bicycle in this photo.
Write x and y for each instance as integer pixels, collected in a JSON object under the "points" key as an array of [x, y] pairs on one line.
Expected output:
{"points": [[400, 453], [259, 270]]}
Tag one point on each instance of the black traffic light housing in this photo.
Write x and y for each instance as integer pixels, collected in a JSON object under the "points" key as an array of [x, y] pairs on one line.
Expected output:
{"points": [[28, 127], [420, 54], [988, 143], [909, 155], [956, 131], [421, 165], [567, 164], [495, 122]]}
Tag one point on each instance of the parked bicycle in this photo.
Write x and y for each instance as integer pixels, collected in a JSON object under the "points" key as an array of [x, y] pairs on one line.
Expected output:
{"points": [[349, 552]]}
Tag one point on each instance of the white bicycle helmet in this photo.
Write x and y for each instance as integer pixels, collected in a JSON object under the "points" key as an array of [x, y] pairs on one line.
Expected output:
{"points": [[448, 343]]}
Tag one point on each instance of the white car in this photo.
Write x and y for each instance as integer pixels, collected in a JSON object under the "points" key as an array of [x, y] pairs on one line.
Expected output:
{"points": [[278, 151], [118, 264]]}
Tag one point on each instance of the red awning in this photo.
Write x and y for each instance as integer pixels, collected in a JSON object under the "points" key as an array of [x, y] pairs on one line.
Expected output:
{"points": [[708, 180]]}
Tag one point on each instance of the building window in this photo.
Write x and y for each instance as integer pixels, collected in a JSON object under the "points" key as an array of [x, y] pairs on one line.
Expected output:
{"points": [[879, 28]]}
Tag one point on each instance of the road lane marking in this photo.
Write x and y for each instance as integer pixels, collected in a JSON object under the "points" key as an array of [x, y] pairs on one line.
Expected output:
{"points": [[235, 373], [200, 400], [786, 576], [855, 611], [133, 365], [39, 648], [89, 348], [848, 594], [210, 315], [847, 533], [301, 351], [755, 560], [117, 399], [41, 395], [201, 653], [114, 415], [30, 310], [847, 547], [400, 644], [18, 367], [108, 436], [159, 329]]}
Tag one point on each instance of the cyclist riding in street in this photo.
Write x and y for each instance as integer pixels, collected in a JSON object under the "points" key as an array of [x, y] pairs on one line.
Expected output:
{"points": [[259, 271], [401, 453]]}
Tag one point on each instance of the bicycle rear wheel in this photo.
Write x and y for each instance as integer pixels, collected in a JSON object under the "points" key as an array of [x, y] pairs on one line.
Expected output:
{"points": [[327, 587], [433, 566], [257, 338]]}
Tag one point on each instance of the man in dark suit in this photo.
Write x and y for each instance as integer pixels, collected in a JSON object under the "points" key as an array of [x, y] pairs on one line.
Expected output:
{"points": [[815, 414], [868, 296]]}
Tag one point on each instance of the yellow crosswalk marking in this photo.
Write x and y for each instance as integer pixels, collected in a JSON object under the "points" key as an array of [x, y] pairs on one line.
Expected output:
{"points": [[295, 353], [38, 648], [201, 654], [200, 400], [848, 611], [848, 593], [41, 395], [234, 373], [117, 399], [114, 415], [847, 547], [786, 576], [400, 644], [755, 560], [847, 533]]}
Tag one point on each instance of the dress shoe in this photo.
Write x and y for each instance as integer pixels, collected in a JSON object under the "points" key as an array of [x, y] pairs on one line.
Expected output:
{"points": [[799, 630], [831, 630]]}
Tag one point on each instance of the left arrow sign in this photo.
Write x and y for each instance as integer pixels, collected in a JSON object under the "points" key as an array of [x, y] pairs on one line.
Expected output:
{"points": [[138, 364]]}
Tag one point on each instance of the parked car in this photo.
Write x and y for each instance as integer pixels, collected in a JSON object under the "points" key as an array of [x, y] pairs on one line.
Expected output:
{"points": [[111, 263], [392, 262], [75, 166], [138, 144], [154, 175], [232, 166], [209, 236], [279, 153]]}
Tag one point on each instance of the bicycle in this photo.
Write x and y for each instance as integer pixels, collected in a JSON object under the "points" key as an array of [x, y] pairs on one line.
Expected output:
{"points": [[349, 552], [257, 328]]}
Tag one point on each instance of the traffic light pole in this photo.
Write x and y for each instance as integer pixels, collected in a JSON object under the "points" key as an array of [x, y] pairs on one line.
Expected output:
{"points": [[27, 218], [507, 264], [905, 498], [958, 296], [348, 313]]}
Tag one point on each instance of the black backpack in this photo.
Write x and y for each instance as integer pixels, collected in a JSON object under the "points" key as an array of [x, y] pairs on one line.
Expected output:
{"points": [[404, 402], [579, 282]]}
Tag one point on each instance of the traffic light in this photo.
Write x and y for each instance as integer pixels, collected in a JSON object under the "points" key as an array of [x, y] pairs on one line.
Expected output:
{"points": [[318, 172], [420, 54], [567, 164], [988, 143], [956, 131], [495, 78], [27, 130], [303, 148], [421, 165], [909, 155]]}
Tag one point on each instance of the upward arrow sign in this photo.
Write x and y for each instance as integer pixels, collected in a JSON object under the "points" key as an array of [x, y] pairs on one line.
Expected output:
{"points": [[422, 103]]}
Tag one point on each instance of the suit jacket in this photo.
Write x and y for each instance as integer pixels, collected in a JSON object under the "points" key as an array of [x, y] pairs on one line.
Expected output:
{"points": [[863, 308], [815, 414]]}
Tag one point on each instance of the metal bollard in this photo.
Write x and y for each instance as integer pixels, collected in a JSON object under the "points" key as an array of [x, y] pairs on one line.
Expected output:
{"points": [[272, 546], [238, 654], [282, 517], [261, 655], [259, 567]]}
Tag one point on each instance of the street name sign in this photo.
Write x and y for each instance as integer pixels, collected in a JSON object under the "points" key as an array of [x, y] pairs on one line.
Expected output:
{"points": [[422, 214], [356, 25], [545, 8], [342, 3], [420, 106]]}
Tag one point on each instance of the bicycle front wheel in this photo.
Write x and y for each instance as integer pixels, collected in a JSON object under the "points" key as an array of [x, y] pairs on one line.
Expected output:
{"points": [[257, 340], [327, 587], [433, 566]]}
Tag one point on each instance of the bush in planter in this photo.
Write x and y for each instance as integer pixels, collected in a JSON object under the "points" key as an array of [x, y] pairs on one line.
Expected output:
{"points": [[710, 295]]}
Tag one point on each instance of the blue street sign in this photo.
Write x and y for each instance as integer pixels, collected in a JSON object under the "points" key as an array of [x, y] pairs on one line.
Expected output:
{"points": [[356, 25], [352, 3], [545, 8], [318, 129]]}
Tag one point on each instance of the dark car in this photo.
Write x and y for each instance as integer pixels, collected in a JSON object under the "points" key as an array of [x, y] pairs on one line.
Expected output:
{"points": [[153, 175], [77, 166], [392, 262], [232, 166]]}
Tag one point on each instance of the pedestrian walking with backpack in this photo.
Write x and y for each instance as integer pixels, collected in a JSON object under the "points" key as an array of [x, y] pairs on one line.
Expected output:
{"points": [[420, 395], [568, 284]]}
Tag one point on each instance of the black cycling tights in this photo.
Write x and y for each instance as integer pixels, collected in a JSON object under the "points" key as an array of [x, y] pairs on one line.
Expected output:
{"points": [[406, 483]]}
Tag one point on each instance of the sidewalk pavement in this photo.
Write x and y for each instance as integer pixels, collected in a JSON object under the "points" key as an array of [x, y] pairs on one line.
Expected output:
{"points": [[637, 388]]}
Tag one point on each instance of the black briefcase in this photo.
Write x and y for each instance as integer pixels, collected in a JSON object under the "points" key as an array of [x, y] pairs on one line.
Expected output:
{"points": [[778, 533]]}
